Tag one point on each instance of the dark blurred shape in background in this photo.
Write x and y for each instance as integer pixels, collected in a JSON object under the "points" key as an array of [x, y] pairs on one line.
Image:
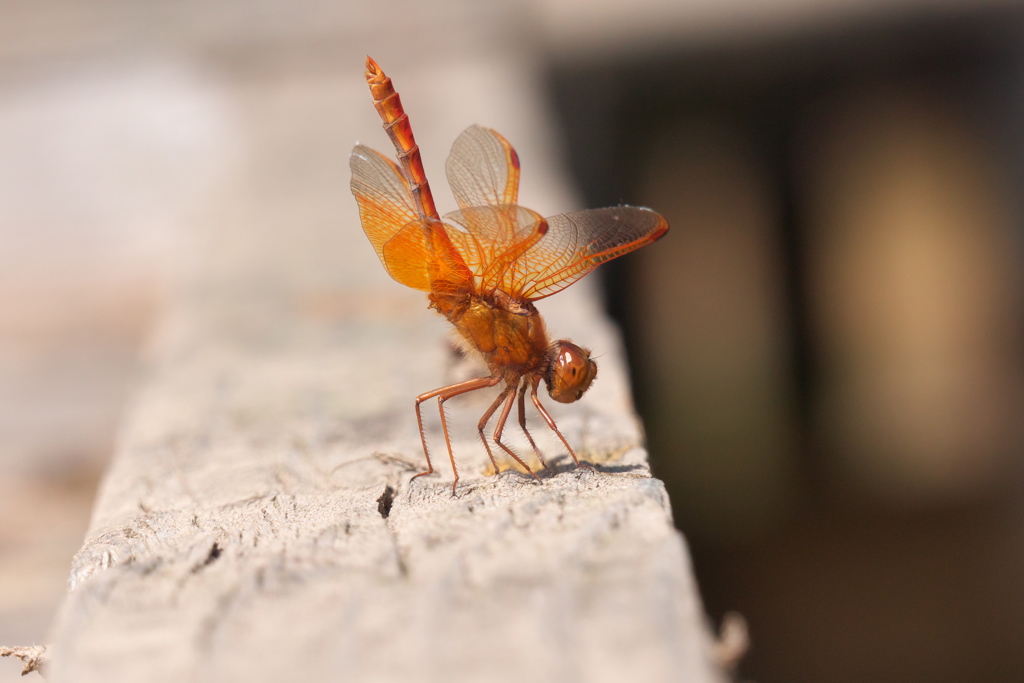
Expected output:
{"points": [[827, 346]]}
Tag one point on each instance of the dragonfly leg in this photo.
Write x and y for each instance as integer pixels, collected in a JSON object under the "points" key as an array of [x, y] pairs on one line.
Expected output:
{"points": [[553, 426], [442, 395], [501, 426], [483, 423], [522, 423]]}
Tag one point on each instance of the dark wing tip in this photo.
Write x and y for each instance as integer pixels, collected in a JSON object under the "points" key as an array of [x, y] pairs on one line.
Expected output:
{"points": [[514, 158]]}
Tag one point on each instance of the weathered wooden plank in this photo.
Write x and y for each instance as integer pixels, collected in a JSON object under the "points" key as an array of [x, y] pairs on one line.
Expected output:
{"points": [[258, 522]]}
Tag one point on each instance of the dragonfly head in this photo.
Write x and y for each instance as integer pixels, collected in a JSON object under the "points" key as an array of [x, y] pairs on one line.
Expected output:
{"points": [[570, 373]]}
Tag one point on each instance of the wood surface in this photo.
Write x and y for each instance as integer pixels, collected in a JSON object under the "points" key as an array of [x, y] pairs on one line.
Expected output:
{"points": [[258, 523]]}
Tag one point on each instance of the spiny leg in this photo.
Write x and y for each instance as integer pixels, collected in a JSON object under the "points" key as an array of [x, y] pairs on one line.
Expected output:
{"points": [[483, 423], [522, 423], [551, 424], [447, 440], [444, 393], [501, 426]]}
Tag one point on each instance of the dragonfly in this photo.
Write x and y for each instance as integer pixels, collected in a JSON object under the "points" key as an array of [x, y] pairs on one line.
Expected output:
{"points": [[484, 265]]}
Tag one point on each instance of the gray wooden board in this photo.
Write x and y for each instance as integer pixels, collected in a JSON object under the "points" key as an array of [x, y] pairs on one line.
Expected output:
{"points": [[258, 522]]}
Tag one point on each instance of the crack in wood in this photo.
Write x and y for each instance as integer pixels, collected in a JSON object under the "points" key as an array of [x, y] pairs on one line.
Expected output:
{"points": [[384, 502], [211, 557]]}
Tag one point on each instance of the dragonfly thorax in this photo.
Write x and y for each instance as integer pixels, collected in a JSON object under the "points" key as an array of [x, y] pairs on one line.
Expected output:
{"points": [[509, 335]]}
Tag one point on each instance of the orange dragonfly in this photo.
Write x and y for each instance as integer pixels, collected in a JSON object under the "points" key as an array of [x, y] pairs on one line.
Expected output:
{"points": [[484, 265]]}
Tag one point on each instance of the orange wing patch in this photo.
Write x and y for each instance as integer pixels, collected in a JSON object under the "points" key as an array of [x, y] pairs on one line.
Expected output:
{"points": [[385, 208]]}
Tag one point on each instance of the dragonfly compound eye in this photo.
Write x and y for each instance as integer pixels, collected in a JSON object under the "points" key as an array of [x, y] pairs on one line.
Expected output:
{"points": [[571, 372]]}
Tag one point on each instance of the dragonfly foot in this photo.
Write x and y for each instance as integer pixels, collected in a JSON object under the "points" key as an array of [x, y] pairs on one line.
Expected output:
{"points": [[421, 474]]}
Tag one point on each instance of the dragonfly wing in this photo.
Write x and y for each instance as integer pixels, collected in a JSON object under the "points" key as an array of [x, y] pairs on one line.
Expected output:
{"points": [[576, 243], [389, 217], [492, 238], [483, 169], [406, 257]]}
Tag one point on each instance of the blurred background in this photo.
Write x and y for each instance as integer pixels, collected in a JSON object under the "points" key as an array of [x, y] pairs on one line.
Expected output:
{"points": [[827, 348]]}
